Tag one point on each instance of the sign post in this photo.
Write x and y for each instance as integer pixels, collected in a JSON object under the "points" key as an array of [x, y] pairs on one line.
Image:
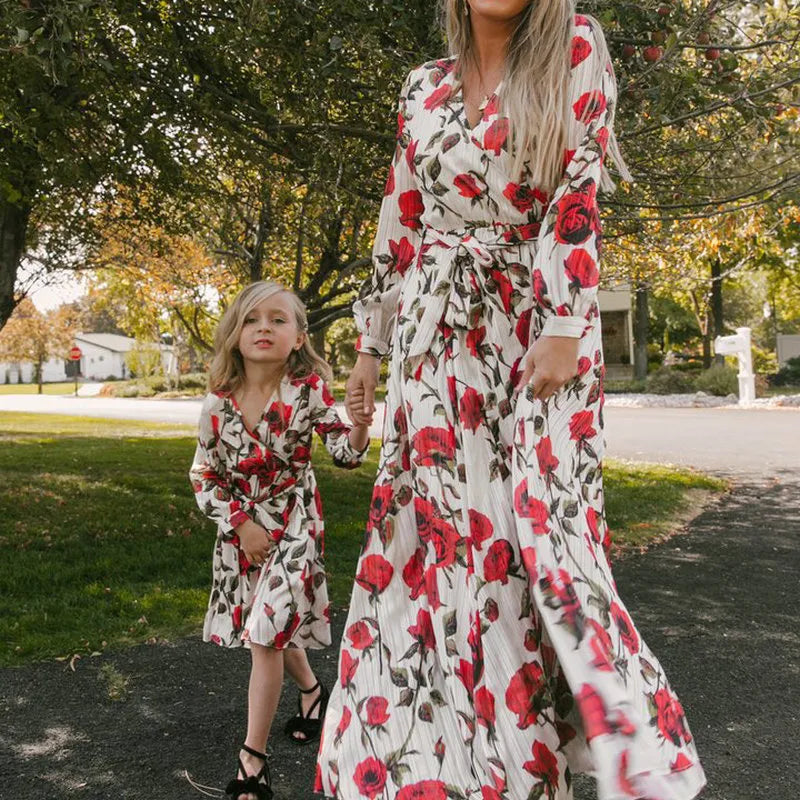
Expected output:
{"points": [[739, 346], [75, 357]]}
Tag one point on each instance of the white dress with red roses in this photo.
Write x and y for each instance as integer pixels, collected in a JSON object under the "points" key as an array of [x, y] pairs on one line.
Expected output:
{"points": [[265, 474], [487, 654]]}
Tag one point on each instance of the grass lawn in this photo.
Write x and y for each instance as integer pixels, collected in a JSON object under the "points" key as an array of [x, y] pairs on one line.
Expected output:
{"points": [[104, 546], [33, 388]]}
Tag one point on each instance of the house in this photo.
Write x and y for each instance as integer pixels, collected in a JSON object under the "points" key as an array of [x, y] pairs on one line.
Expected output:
{"points": [[102, 358], [617, 323]]}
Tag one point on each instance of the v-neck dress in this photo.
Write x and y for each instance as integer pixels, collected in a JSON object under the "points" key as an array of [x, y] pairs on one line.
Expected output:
{"points": [[487, 654], [265, 474]]}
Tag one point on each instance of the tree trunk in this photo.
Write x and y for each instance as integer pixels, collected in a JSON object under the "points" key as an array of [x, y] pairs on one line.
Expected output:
{"points": [[40, 374], [707, 348], [716, 303], [641, 326], [13, 226]]}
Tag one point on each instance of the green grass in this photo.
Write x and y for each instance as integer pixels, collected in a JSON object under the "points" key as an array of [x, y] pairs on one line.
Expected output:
{"points": [[104, 546], [33, 388]]}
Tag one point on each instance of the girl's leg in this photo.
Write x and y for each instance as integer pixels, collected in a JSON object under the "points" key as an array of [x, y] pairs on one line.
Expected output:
{"points": [[266, 680], [299, 669]]}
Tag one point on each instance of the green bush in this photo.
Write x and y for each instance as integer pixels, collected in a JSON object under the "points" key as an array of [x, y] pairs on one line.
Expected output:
{"points": [[788, 374], [719, 380], [669, 381], [624, 387], [765, 362]]}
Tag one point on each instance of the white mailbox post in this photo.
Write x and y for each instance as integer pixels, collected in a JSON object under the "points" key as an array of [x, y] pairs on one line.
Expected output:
{"points": [[739, 345]]}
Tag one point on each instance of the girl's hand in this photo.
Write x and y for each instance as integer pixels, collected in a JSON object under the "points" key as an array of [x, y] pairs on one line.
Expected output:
{"points": [[359, 437], [360, 389], [551, 362], [255, 542]]}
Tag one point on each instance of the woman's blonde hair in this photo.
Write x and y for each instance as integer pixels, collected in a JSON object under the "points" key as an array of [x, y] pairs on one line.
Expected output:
{"points": [[535, 94], [226, 373]]}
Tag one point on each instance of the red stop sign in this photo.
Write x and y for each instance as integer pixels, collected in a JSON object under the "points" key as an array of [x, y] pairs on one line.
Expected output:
{"points": [[74, 353]]}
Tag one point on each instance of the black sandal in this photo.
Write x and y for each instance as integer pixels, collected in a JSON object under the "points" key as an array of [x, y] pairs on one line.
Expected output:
{"points": [[309, 726], [259, 784]]}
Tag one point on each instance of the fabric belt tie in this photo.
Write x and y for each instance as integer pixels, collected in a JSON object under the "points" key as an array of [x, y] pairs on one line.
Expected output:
{"points": [[458, 285]]}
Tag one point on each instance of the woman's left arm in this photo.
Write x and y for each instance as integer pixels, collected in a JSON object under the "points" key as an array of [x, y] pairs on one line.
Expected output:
{"points": [[565, 269]]}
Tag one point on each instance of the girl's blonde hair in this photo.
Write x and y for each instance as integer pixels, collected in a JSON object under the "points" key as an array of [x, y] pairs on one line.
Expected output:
{"points": [[226, 373], [535, 91]]}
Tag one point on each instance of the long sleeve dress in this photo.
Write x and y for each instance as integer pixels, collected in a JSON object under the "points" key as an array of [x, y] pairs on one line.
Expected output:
{"points": [[487, 654], [265, 474]]}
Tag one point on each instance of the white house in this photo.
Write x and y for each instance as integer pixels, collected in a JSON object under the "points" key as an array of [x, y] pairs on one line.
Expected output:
{"points": [[102, 358], [617, 323]]}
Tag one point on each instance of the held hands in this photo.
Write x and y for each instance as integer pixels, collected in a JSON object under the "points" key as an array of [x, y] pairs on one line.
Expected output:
{"points": [[255, 542], [360, 390], [549, 364]]}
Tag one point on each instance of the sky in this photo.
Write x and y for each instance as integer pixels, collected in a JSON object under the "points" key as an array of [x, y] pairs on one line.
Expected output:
{"points": [[61, 288]]}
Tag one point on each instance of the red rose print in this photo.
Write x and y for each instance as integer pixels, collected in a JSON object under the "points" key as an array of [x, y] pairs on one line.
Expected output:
{"points": [[491, 610], [434, 446], [528, 558], [580, 19], [497, 561], [445, 539], [466, 674], [423, 630], [488, 793], [568, 156], [411, 208], [576, 216], [401, 124], [375, 574], [389, 187], [480, 528], [348, 668], [523, 327], [624, 782], [475, 338], [581, 269], [680, 763], [531, 508], [544, 455], [520, 195], [496, 135], [602, 139], [414, 573], [343, 725], [562, 595], [467, 185], [580, 425], [402, 253], [278, 417], [589, 106], [628, 633], [670, 718], [540, 289], [592, 521], [432, 588], [438, 98], [236, 618], [492, 107], [424, 790], [524, 692], [593, 712], [370, 777], [601, 647], [360, 635], [484, 707], [584, 365], [580, 50], [471, 409], [282, 638], [411, 151], [379, 506], [544, 764], [377, 711]]}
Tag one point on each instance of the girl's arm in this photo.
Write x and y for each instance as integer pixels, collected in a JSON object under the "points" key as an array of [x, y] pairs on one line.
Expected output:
{"points": [[347, 444], [396, 240], [208, 474]]}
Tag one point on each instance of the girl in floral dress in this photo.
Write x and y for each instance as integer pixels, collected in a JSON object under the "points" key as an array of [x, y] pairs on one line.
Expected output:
{"points": [[252, 475], [487, 654]]}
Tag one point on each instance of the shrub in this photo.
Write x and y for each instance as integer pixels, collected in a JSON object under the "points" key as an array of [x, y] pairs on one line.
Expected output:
{"points": [[719, 380], [788, 374], [668, 381], [624, 387], [764, 361]]}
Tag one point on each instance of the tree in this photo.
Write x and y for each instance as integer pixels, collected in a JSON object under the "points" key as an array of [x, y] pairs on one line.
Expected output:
{"points": [[33, 336]]}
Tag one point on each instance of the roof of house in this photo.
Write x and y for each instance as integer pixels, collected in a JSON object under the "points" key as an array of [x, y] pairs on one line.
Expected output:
{"points": [[108, 341]]}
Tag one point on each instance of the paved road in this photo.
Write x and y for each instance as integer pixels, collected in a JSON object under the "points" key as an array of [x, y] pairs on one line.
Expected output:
{"points": [[718, 605], [727, 440]]}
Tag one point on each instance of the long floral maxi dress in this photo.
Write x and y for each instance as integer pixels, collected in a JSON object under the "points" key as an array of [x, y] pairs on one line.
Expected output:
{"points": [[265, 475], [486, 653]]}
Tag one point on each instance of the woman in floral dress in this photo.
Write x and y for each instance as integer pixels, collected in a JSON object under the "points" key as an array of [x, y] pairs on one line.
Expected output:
{"points": [[487, 654]]}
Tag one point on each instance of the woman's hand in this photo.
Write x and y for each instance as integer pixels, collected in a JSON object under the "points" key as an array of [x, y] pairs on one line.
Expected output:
{"points": [[255, 542], [360, 389], [551, 362]]}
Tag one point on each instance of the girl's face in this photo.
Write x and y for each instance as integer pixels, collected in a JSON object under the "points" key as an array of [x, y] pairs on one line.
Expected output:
{"points": [[269, 331], [500, 10]]}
